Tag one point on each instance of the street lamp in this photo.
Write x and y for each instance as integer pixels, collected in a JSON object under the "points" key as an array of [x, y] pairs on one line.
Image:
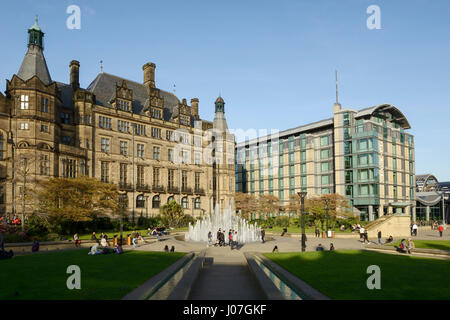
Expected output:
{"points": [[326, 216], [302, 196], [444, 192], [122, 200]]}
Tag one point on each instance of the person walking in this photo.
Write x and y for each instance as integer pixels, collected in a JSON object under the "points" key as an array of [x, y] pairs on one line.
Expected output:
{"points": [[209, 238], [94, 237], [235, 239], [379, 237], [366, 237], [317, 232], [77, 240], [414, 229], [361, 233], [441, 230], [263, 235]]}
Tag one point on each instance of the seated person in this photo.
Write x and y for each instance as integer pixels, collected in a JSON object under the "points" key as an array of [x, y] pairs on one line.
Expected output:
{"points": [[95, 250], [103, 242], [166, 248], [217, 243], [402, 246], [275, 249], [118, 249], [320, 247], [389, 240], [172, 249], [35, 246]]}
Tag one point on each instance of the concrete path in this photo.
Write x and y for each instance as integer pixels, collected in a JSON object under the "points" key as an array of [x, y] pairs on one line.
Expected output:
{"points": [[225, 276]]}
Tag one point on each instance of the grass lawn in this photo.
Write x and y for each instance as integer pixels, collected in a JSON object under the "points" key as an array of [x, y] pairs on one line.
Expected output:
{"points": [[342, 274], [429, 244], [43, 275]]}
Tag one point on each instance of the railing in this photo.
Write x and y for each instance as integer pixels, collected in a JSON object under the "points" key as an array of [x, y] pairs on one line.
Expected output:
{"points": [[173, 189], [125, 186], [158, 188], [199, 191], [143, 187], [186, 190]]}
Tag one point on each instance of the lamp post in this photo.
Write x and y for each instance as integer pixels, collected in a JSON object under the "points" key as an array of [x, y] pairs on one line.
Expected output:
{"points": [[326, 216], [444, 192], [122, 200], [302, 196]]}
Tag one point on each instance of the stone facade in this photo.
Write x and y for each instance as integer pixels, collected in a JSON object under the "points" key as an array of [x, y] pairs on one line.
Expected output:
{"points": [[154, 146]]}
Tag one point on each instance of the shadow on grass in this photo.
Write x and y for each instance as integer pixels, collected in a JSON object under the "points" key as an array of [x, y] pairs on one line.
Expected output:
{"points": [[343, 274], [43, 276]]}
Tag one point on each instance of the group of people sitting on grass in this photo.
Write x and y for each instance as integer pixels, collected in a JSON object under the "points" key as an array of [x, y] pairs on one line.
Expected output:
{"points": [[406, 247], [97, 249]]}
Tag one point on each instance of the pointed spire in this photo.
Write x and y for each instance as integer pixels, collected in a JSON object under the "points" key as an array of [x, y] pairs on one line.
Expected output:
{"points": [[337, 105], [34, 63]]}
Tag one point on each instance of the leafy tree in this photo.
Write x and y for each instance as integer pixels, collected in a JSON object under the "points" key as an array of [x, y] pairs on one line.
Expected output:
{"points": [[63, 200], [246, 204], [172, 213], [268, 203], [337, 208]]}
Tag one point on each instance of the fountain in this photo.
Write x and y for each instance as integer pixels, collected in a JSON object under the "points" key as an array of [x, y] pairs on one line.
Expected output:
{"points": [[225, 220]]}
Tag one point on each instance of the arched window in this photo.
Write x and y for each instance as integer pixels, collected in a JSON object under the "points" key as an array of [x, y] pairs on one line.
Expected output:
{"points": [[184, 202], [156, 201], [170, 199], [140, 201], [197, 203]]}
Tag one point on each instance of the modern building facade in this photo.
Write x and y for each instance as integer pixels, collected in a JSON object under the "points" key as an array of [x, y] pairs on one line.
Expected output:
{"points": [[144, 139], [432, 199], [365, 155]]}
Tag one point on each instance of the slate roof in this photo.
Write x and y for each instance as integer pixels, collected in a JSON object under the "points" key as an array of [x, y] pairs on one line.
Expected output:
{"points": [[66, 94], [34, 64], [104, 88]]}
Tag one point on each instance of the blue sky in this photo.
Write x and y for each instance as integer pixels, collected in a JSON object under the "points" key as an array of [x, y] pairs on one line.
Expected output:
{"points": [[272, 61]]}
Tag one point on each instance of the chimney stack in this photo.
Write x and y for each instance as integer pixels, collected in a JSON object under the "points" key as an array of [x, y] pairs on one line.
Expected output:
{"points": [[194, 108], [75, 74], [149, 74]]}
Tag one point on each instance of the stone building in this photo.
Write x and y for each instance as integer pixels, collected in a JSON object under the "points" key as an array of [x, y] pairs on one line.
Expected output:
{"points": [[365, 155], [144, 139]]}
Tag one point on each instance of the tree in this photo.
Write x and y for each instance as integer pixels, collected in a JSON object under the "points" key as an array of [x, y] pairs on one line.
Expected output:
{"points": [[246, 204], [172, 212], [24, 166], [337, 206], [268, 203], [62, 200]]}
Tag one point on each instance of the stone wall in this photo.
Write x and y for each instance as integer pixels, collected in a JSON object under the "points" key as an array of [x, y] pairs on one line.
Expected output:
{"points": [[396, 226]]}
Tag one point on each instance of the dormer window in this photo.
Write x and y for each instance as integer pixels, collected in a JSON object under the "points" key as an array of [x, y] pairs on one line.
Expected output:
{"points": [[184, 121], [156, 113], [123, 105]]}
